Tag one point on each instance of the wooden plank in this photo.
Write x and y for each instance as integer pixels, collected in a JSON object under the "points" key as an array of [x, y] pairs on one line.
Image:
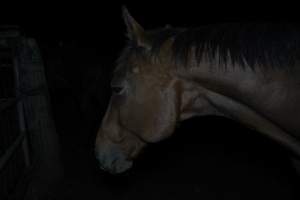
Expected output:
{"points": [[9, 31], [45, 154], [6, 103], [21, 116], [9, 152], [14, 134]]}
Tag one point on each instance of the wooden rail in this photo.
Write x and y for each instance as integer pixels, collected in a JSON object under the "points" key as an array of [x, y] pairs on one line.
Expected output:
{"points": [[9, 152], [37, 139]]}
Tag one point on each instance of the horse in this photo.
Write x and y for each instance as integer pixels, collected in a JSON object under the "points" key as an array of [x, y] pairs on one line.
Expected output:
{"points": [[247, 72]]}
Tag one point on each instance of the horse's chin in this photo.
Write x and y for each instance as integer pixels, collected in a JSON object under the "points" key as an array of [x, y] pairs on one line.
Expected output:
{"points": [[118, 167], [115, 165]]}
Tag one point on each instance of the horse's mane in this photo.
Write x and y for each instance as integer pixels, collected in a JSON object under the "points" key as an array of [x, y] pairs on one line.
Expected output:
{"points": [[251, 44]]}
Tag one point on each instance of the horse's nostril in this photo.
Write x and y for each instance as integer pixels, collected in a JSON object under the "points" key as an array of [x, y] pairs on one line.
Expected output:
{"points": [[102, 168], [113, 161]]}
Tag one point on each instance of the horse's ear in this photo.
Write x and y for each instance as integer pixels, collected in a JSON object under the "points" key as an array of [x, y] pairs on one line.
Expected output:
{"points": [[135, 32]]}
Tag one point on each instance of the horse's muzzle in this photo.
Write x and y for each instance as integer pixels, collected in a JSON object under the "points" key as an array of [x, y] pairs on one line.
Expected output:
{"points": [[112, 159]]}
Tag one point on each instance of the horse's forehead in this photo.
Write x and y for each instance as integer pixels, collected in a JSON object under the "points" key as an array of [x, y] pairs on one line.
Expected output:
{"points": [[122, 71], [131, 66], [141, 64]]}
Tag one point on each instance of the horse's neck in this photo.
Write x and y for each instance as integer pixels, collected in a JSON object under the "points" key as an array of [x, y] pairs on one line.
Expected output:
{"points": [[243, 95], [237, 84]]}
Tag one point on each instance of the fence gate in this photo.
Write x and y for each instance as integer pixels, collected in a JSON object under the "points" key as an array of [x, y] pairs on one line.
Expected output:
{"points": [[29, 151]]}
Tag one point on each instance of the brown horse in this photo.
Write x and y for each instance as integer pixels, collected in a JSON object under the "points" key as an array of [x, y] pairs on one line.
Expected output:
{"points": [[247, 72]]}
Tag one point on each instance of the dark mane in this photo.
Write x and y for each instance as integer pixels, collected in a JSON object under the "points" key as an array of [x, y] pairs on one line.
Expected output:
{"points": [[252, 44]]}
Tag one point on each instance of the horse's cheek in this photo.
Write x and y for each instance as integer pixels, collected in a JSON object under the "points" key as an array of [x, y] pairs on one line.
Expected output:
{"points": [[138, 118], [130, 117]]}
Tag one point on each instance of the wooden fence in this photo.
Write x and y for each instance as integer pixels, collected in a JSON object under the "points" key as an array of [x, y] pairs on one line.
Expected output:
{"points": [[29, 148]]}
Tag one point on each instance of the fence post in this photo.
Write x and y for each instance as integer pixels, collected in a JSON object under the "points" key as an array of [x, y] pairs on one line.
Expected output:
{"points": [[45, 156]]}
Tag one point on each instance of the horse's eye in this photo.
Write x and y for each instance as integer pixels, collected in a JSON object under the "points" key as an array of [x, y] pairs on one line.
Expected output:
{"points": [[117, 89]]}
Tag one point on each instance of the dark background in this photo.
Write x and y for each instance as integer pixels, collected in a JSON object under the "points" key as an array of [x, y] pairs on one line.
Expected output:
{"points": [[207, 158]]}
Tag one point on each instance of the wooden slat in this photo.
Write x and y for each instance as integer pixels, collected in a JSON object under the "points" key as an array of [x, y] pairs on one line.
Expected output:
{"points": [[6, 103], [12, 164], [4, 65], [9, 152], [9, 32], [20, 108], [41, 128]]}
